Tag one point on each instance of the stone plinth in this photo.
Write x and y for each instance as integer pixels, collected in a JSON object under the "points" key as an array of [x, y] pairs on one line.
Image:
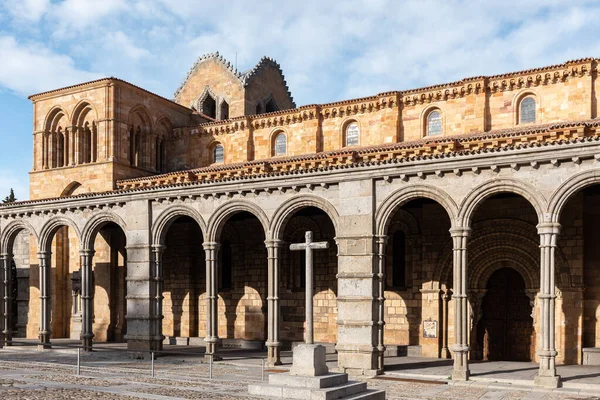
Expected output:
{"points": [[309, 360], [309, 378], [591, 356]]}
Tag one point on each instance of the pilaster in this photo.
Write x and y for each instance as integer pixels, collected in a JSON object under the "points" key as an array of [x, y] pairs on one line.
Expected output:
{"points": [[87, 298]]}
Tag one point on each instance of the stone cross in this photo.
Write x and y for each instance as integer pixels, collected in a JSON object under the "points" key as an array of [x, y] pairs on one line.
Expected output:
{"points": [[308, 246]]}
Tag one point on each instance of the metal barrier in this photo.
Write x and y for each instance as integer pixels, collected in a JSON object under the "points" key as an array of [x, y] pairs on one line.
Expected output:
{"points": [[152, 356]]}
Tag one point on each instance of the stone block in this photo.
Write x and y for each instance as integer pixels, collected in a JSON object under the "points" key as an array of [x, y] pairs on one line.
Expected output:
{"points": [[309, 360], [591, 356]]}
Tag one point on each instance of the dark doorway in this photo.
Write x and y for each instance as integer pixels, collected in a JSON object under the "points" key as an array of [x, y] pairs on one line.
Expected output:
{"points": [[506, 327]]}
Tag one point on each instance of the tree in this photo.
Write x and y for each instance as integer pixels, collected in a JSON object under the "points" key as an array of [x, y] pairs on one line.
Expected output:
{"points": [[10, 198]]}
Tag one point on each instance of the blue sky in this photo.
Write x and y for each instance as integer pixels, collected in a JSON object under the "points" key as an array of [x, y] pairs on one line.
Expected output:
{"points": [[328, 50]]}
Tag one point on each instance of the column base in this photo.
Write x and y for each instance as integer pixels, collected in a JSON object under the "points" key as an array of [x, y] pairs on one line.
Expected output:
{"points": [[273, 355], [461, 375], [550, 382]]}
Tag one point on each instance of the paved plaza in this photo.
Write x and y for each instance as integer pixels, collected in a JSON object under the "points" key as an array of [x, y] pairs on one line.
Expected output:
{"points": [[182, 373]]}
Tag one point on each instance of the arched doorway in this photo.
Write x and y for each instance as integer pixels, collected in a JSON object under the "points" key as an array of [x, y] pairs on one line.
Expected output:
{"points": [[506, 326]]}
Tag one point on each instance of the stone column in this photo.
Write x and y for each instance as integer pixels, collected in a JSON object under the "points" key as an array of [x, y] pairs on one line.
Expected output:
{"points": [[461, 308], [44, 258], [547, 376], [6, 295], [87, 299], [446, 296], [212, 300], [381, 242], [157, 252], [273, 338]]}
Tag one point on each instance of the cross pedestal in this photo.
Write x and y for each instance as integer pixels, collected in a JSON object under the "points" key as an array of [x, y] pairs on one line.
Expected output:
{"points": [[309, 377]]}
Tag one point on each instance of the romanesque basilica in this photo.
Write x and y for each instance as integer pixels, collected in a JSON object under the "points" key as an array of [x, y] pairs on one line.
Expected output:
{"points": [[461, 218]]}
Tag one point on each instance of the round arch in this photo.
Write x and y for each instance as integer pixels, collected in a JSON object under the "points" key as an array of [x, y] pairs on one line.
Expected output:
{"points": [[97, 222], [49, 229], [168, 216], [397, 199], [10, 232], [567, 189], [482, 192], [51, 117], [144, 115], [81, 110], [224, 212], [290, 207]]}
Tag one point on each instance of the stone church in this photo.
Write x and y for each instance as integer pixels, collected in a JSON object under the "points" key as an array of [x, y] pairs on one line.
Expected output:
{"points": [[461, 218]]}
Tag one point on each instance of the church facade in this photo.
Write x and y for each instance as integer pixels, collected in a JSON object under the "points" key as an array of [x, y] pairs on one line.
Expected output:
{"points": [[461, 218]]}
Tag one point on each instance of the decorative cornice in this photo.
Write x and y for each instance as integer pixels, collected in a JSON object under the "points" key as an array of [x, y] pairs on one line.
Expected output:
{"points": [[427, 148], [244, 78], [103, 82]]}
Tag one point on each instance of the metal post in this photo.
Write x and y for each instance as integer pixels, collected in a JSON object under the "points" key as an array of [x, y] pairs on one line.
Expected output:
{"points": [[152, 357], [210, 367], [262, 369], [78, 361]]}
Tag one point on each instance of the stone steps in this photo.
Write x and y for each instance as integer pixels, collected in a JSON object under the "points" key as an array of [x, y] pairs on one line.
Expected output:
{"points": [[336, 392], [324, 387]]}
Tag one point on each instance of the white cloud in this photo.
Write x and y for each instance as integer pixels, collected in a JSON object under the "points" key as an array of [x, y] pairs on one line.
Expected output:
{"points": [[27, 10], [32, 68]]}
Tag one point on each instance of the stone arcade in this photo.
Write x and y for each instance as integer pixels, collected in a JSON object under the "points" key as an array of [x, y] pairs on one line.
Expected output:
{"points": [[461, 218]]}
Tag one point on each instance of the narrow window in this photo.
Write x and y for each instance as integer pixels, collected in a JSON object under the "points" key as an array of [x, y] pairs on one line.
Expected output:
{"points": [[259, 108], [224, 110], [352, 133], [527, 110], [137, 148], [157, 154], [218, 154], [60, 149], [87, 146], [271, 106], [434, 123], [226, 265], [399, 259], [131, 147], [280, 145], [209, 106]]}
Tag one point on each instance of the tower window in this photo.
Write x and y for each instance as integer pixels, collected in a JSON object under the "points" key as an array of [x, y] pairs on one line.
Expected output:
{"points": [[352, 134], [527, 112], [218, 154], [271, 106], [224, 110], [209, 106], [434, 123]]}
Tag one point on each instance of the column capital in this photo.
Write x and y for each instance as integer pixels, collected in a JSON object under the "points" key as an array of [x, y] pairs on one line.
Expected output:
{"points": [[274, 243], [548, 228], [87, 252], [211, 245], [381, 239], [44, 254], [460, 231]]}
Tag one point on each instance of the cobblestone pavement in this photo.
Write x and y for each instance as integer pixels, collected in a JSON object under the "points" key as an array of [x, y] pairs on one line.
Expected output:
{"points": [[32, 376]]}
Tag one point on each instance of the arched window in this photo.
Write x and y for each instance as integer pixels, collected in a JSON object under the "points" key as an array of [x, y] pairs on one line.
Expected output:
{"points": [[527, 111], [399, 259], [218, 154], [224, 110], [226, 265], [434, 123], [209, 106], [271, 106], [280, 145], [352, 134]]}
